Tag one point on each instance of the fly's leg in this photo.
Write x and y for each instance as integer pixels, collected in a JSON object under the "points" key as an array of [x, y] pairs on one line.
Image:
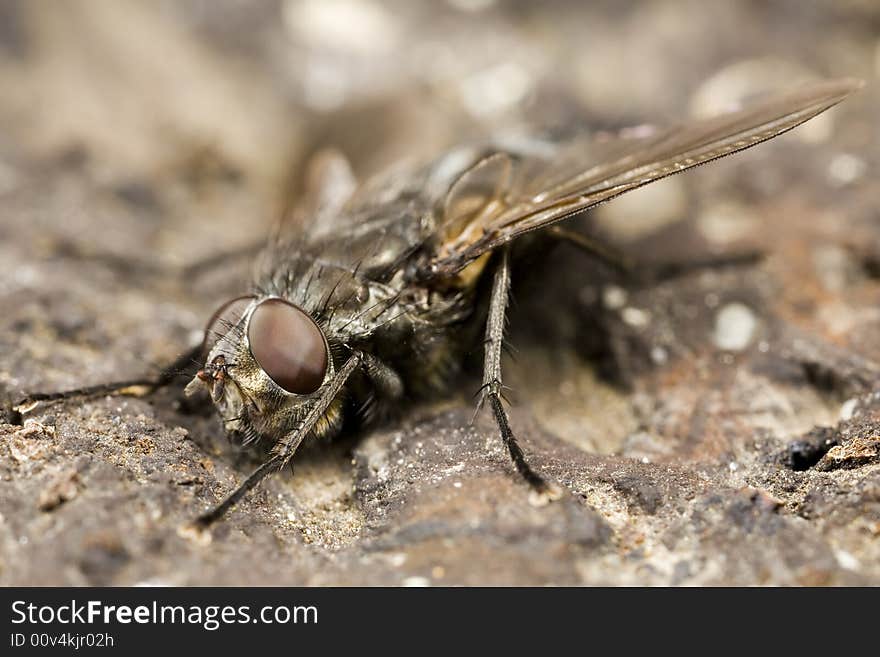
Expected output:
{"points": [[386, 387], [543, 491], [604, 254], [286, 448], [222, 259], [327, 184], [127, 266], [132, 388], [667, 271], [649, 274], [386, 381]]}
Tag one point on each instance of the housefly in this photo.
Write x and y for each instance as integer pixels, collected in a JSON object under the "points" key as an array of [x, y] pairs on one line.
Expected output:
{"points": [[381, 292]]}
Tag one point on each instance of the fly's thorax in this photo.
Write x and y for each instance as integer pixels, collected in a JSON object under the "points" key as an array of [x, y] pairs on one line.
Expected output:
{"points": [[347, 301]]}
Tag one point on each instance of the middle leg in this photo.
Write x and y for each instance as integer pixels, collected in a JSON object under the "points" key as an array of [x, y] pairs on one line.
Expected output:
{"points": [[492, 387]]}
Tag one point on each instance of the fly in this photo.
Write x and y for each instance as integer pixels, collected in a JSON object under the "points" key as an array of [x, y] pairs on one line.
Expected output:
{"points": [[380, 294]]}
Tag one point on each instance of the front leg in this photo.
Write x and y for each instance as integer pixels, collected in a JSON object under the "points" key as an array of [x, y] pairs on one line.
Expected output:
{"points": [[285, 448], [131, 388], [385, 380], [543, 491]]}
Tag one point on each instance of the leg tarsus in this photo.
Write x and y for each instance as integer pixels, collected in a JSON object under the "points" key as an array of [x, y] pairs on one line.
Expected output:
{"points": [[543, 491], [218, 511]]}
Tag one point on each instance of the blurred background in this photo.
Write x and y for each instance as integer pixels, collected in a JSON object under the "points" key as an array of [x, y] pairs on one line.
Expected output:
{"points": [[138, 137], [154, 133], [208, 109]]}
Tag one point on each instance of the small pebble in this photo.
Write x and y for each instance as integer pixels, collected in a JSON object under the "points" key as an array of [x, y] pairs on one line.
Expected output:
{"points": [[495, 90], [847, 560], [351, 26], [416, 581], [846, 168], [614, 297], [848, 409], [724, 223], [644, 211], [659, 355], [635, 317], [735, 326]]}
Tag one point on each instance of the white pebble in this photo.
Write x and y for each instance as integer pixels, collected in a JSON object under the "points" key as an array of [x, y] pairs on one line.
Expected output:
{"points": [[846, 168], [735, 326], [494, 90], [416, 581], [847, 560], [348, 25], [725, 222], [644, 211], [848, 409], [659, 355], [614, 297], [635, 317]]}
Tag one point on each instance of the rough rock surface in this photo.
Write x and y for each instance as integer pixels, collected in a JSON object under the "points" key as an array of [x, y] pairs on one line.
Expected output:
{"points": [[715, 421]]}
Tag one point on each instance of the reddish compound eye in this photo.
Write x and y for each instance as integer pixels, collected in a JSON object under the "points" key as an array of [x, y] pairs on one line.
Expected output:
{"points": [[226, 316], [288, 345]]}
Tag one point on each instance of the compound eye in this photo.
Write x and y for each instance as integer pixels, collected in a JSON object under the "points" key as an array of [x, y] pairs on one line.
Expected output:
{"points": [[288, 345], [225, 317]]}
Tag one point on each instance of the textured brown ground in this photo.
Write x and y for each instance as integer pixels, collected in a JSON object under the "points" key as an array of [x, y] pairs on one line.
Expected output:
{"points": [[719, 425]]}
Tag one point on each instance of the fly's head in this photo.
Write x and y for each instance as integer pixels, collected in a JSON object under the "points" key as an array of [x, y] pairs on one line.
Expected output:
{"points": [[267, 359]]}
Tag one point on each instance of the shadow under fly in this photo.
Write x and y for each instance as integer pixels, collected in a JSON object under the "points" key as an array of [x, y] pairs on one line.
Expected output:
{"points": [[373, 299]]}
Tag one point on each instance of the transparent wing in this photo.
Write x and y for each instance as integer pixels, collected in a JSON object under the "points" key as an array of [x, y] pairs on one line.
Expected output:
{"points": [[506, 194]]}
